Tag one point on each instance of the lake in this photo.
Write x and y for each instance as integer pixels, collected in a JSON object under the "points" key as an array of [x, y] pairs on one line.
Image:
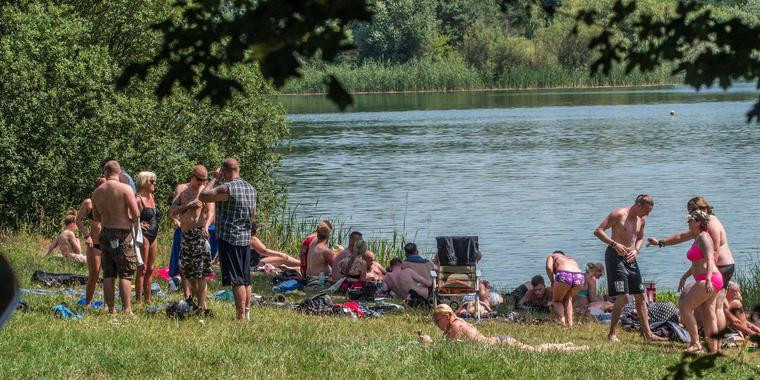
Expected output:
{"points": [[529, 172]]}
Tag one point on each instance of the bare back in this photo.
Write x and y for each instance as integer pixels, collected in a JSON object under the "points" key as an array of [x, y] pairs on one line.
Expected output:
{"points": [[402, 280], [422, 269], [720, 240], [114, 205], [562, 262], [316, 258]]}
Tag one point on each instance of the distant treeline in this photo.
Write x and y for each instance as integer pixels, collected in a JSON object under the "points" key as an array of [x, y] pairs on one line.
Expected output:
{"points": [[471, 44]]}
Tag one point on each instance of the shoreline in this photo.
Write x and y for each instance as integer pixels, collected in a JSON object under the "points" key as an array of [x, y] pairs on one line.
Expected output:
{"points": [[488, 89]]}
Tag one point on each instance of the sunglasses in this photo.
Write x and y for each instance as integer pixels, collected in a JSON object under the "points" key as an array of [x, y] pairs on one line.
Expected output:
{"points": [[200, 178], [152, 181]]}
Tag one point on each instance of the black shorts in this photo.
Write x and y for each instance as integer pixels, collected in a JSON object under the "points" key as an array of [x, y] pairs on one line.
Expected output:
{"points": [[622, 277], [235, 261], [728, 273]]}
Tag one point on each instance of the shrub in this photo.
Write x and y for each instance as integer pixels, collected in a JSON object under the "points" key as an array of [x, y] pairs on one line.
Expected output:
{"points": [[60, 114]]}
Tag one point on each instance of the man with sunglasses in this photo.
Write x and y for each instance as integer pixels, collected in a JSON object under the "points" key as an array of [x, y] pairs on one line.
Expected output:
{"points": [[193, 220], [623, 273]]}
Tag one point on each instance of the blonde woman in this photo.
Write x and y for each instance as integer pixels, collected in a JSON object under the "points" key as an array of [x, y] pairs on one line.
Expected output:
{"points": [[150, 217], [456, 329], [67, 242], [355, 268], [587, 295], [92, 242]]}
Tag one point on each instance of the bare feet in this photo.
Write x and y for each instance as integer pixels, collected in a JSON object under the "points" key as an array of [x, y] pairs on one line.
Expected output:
{"points": [[613, 338], [694, 348], [654, 338]]}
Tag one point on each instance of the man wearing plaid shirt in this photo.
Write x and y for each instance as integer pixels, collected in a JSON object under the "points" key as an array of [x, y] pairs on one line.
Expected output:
{"points": [[235, 209]]}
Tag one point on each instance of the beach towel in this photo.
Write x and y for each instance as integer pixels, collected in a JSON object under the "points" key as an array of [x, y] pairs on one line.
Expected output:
{"points": [[349, 308], [318, 304], [287, 286], [164, 273]]}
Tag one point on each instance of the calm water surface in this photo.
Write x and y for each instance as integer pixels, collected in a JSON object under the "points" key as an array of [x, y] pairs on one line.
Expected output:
{"points": [[529, 171]]}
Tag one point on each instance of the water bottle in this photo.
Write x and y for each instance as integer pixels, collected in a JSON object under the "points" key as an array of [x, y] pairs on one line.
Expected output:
{"points": [[322, 279]]}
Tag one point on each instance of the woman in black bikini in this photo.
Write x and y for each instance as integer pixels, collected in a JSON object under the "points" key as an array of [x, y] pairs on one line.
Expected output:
{"points": [[150, 216], [91, 239]]}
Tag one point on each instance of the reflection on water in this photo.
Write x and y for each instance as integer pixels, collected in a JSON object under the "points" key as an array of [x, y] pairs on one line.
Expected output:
{"points": [[531, 172]]}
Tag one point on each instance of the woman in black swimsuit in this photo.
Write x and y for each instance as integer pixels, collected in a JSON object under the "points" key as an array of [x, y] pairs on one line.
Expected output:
{"points": [[150, 216], [91, 239]]}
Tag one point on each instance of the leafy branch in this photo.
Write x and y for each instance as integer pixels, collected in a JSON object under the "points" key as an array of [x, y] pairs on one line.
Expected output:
{"points": [[211, 35], [704, 48]]}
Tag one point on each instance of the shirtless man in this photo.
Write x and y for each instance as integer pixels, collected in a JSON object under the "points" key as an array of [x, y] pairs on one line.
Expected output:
{"points": [[190, 211], [624, 277], [345, 254], [417, 263], [115, 207], [401, 280], [320, 256]]}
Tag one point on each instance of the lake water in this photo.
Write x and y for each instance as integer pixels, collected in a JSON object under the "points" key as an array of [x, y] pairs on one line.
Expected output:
{"points": [[529, 171]]}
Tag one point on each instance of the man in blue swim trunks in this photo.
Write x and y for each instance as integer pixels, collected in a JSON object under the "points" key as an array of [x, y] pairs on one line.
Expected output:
{"points": [[623, 273]]}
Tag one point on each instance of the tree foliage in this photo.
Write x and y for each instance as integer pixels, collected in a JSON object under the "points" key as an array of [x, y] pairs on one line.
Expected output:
{"points": [[400, 30], [275, 35], [705, 47], [60, 113]]}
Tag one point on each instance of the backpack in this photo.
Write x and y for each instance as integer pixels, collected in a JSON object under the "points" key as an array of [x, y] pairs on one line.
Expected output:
{"points": [[181, 309]]}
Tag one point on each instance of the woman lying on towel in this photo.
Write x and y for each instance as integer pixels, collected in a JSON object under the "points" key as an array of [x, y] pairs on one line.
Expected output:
{"points": [[270, 256], [456, 329]]}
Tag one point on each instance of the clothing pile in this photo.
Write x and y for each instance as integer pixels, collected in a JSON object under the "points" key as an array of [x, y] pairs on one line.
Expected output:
{"points": [[663, 320], [59, 279]]}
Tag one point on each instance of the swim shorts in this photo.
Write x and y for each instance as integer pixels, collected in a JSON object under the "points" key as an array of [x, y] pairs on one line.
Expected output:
{"points": [[117, 254], [623, 277], [196, 259], [572, 279], [235, 261], [727, 271]]}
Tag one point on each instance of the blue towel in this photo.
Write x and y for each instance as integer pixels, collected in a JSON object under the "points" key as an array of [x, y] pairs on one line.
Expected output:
{"points": [[175, 255], [63, 312]]}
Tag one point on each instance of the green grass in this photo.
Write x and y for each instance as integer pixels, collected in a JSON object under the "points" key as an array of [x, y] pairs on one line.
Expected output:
{"points": [[454, 74], [280, 344]]}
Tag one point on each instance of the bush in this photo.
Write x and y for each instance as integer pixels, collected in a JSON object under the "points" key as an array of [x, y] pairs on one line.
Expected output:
{"points": [[494, 53], [60, 114], [401, 30]]}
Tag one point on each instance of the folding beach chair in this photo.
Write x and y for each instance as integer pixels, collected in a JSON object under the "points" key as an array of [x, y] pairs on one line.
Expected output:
{"points": [[458, 277]]}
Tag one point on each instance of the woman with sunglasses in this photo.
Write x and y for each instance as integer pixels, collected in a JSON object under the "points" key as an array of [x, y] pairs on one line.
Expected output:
{"points": [[708, 282], [719, 239], [150, 216]]}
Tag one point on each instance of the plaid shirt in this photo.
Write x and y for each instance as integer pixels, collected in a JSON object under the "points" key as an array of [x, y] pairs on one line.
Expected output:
{"points": [[233, 217]]}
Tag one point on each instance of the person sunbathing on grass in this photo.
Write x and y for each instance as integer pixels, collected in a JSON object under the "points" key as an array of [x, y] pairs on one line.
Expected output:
{"points": [[67, 242], [270, 256], [375, 272], [456, 329], [734, 311]]}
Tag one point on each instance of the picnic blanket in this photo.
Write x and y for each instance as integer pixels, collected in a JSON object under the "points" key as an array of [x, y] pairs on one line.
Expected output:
{"points": [[59, 279]]}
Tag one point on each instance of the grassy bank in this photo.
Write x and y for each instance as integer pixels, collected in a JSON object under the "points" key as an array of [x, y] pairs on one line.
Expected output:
{"points": [[279, 343], [455, 75]]}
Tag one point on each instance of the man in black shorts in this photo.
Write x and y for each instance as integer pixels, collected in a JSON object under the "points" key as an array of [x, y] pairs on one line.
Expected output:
{"points": [[623, 273], [235, 210]]}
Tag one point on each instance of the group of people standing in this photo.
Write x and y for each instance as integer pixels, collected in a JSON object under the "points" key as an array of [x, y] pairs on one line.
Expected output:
{"points": [[124, 224], [121, 242], [710, 258]]}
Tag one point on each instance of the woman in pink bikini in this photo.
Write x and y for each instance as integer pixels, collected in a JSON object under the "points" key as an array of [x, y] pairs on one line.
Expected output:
{"points": [[567, 281], [708, 282]]}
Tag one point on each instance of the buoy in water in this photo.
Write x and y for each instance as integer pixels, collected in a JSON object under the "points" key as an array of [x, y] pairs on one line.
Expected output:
{"points": [[672, 113]]}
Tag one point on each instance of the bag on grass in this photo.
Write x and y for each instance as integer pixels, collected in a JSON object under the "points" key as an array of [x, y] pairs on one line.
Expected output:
{"points": [[181, 309]]}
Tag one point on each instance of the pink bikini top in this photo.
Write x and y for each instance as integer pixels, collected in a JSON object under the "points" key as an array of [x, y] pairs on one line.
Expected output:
{"points": [[695, 253]]}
